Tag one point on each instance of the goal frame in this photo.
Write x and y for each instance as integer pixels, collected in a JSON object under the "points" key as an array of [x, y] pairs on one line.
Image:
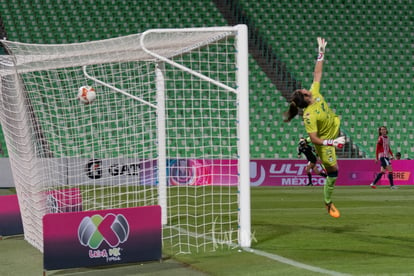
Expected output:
{"points": [[242, 92]]}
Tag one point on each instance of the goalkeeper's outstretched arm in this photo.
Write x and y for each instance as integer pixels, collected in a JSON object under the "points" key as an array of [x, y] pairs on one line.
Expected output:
{"points": [[317, 73], [297, 100]]}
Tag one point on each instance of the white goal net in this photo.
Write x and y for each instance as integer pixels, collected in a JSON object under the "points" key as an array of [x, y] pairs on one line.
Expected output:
{"points": [[169, 127]]}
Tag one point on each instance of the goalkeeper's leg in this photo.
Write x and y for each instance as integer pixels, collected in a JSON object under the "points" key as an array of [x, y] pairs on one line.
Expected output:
{"points": [[329, 186], [328, 159]]}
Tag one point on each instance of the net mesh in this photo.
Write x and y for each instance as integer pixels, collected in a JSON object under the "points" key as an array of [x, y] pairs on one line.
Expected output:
{"points": [[67, 156]]}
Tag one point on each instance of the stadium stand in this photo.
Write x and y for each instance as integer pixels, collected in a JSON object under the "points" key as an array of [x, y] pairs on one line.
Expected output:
{"points": [[369, 65], [367, 77]]}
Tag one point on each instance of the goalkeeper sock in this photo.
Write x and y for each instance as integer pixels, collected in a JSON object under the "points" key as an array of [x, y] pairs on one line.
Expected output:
{"points": [[329, 186]]}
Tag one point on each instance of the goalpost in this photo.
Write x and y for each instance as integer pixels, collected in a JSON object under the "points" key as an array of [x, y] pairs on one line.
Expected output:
{"points": [[169, 127]]}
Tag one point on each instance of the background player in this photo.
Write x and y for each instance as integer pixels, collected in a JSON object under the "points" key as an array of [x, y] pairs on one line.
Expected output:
{"points": [[384, 153]]}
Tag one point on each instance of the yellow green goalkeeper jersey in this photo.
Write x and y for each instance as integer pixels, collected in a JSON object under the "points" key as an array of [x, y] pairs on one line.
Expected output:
{"points": [[319, 118]]}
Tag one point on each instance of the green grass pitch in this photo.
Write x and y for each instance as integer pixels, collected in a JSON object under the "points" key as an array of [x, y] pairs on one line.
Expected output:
{"points": [[373, 236]]}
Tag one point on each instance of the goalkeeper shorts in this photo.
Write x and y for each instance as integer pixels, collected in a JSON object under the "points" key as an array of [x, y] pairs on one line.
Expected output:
{"points": [[327, 154]]}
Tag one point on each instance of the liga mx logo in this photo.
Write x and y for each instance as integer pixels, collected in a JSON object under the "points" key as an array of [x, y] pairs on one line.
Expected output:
{"points": [[92, 231], [257, 175], [182, 172]]}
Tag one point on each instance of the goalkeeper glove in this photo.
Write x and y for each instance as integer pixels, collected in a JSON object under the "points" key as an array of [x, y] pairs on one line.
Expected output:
{"points": [[321, 48], [338, 142]]}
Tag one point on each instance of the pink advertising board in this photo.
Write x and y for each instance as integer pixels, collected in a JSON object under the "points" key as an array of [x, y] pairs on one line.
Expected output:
{"points": [[197, 172], [281, 172], [105, 237], [351, 172], [10, 218]]}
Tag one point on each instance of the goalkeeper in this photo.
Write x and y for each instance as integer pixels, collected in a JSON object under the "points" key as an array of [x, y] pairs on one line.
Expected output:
{"points": [[322, 126]]}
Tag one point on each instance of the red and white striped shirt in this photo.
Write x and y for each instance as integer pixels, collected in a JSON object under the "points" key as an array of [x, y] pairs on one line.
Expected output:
{"points": [[383, 147]]}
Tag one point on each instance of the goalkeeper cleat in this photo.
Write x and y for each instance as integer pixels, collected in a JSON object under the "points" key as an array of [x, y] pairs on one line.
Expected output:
{"points": [[332, 211], [373, 186]]}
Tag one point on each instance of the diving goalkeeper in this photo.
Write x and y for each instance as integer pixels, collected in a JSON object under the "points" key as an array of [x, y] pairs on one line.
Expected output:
{"points": [[322, 126]]}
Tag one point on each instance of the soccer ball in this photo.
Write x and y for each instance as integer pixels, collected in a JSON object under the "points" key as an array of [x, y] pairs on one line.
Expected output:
{"points": [[86, 94]]}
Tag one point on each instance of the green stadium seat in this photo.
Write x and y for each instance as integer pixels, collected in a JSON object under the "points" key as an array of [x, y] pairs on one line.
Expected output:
{"points": [[348, 69]]}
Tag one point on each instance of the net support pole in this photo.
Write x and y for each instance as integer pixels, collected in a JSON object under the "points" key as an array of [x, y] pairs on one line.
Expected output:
{"points": [[162, 161], [243, 128]]}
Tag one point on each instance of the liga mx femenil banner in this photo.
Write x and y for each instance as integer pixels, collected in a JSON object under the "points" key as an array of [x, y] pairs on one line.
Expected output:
{"points": [[105, 237]]}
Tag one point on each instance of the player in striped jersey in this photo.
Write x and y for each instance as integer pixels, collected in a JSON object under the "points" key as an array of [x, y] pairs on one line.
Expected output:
{"points": [[384, 153]]}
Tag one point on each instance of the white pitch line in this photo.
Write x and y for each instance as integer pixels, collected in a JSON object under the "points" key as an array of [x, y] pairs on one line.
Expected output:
{"points": [[293, 263], [273, 256]]}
